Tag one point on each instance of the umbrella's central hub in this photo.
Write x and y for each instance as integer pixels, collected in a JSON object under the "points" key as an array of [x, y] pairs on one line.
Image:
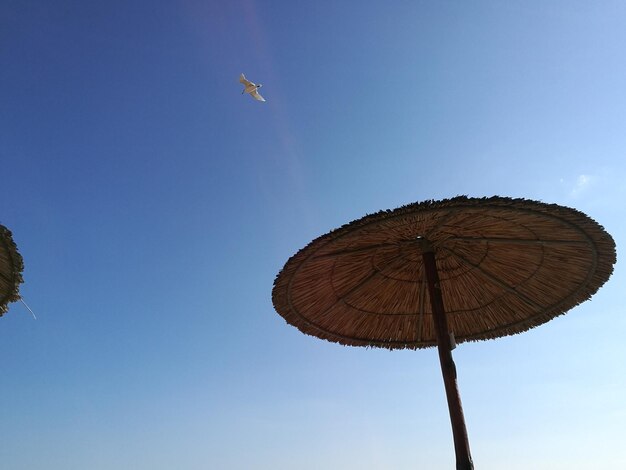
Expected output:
{"points": [[413, 249], [424, 244]]}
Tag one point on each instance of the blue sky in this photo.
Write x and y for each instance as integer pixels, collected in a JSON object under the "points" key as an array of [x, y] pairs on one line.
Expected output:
{"points": [[154, 204]]}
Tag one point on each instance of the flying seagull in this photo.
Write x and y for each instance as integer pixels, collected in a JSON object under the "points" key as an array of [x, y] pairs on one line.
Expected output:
{"points": [[251, 88]]}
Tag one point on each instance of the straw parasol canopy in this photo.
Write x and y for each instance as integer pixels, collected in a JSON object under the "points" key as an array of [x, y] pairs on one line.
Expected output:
{"points": [[11, 267], [505, 266]]}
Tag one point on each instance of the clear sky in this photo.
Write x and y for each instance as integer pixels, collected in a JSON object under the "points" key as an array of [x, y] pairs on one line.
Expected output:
{"points": [[154, 204]]}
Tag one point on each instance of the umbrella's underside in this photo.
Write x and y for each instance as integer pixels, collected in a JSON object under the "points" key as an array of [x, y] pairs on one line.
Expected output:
{"points": [[506, 265]]}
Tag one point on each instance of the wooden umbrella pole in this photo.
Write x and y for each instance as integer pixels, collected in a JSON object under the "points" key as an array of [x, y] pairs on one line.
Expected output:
{"points": [[448, 369]]}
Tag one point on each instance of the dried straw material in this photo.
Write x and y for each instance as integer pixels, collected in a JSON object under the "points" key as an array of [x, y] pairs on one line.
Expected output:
{"points": [[505, 265], [11, 267]]}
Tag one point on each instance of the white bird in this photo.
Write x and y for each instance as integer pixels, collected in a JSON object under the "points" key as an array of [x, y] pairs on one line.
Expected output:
{"points": [[251, 88]]}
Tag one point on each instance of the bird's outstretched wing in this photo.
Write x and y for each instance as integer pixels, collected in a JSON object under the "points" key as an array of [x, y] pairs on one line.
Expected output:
{"points": [[256, 96], [242, 79]]}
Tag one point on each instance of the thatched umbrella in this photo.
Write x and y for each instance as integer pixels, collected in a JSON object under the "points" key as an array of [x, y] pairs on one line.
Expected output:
{"points": [[502, 266], [11, 267]]}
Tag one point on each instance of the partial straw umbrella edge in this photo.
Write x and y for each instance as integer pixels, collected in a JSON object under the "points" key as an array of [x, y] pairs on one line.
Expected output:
{"points": [[11, 268]]}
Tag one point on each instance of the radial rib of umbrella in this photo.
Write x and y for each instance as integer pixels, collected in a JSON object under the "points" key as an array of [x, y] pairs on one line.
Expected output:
{"points": [[448, 369]]}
